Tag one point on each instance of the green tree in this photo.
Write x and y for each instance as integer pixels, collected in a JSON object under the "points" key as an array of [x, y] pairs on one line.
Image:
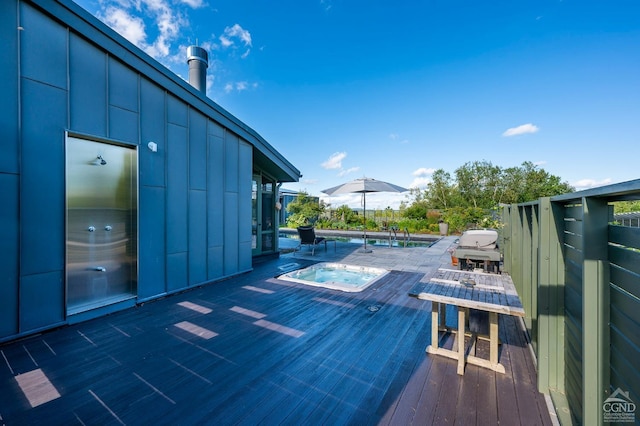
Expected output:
{"points": [[483, 185], [539, 183], [626, 207], [441, 191], [479, 184], [512, 179], [478, 187], [388, 214], [304, 210], [346, 214]]}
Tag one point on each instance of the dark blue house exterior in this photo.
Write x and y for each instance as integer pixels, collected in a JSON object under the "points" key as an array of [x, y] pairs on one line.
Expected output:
{"points": [[120, 182]]}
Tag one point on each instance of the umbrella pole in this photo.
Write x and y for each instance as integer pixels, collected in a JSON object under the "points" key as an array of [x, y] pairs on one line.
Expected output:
{"points": [[364, 216]]}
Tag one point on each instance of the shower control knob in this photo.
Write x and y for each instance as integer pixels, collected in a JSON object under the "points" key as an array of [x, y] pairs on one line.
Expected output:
{"points": [[108, 228], [91, 228]]}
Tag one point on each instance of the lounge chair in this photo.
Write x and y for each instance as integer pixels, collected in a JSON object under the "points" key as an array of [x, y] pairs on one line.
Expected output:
{"points": [[308, 237]]}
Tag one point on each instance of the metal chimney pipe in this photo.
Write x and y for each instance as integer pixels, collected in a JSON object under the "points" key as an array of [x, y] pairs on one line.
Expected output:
{"points": [[198, 61]]}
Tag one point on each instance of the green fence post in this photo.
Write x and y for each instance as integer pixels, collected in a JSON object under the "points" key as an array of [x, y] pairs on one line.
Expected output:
{"points": [[516, 251], [595, 314], [535, 262], [506, 237], [550, 288], [524, 271]]}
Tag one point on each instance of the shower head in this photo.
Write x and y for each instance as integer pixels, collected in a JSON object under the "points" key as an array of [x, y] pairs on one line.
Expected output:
{"points": [[99, 161]]}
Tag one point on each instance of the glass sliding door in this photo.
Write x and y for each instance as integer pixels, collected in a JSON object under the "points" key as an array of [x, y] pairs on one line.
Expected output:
{"points": [[256, 231], [268, 212], [263, 227]]}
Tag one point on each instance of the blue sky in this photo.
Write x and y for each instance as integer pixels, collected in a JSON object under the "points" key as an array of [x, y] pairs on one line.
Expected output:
{"points": [[395, 90]]}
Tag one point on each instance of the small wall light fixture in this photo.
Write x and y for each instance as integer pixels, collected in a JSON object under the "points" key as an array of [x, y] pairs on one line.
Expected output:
{"points": [[153, 146]]}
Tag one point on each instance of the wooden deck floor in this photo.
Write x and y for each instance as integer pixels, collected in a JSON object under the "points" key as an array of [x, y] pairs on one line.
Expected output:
{"points": [[257, 350]]}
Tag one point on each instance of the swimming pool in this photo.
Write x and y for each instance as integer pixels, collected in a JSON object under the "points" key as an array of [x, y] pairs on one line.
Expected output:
{"points": [[377, 242], [336, 276]]}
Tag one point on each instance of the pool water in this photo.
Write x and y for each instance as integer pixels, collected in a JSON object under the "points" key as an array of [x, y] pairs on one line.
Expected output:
{"points": [[377, 242], [336, 276], [385, 242]]}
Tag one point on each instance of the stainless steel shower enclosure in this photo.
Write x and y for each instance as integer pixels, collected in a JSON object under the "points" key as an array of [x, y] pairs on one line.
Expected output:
{"points": [[101, 224]]}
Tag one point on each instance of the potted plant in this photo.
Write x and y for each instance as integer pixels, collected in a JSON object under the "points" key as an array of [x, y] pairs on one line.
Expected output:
{"points": [[444, 227]]}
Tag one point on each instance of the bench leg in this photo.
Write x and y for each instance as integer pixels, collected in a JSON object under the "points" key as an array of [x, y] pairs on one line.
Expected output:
{"points": [[460, 336], [435, 307], [493, 338]]}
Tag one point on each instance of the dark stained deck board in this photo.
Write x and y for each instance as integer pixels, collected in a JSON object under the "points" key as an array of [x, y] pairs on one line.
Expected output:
{"points": [[351, 366], [487, 401], [356, 376], [524, 376], [467, 399], [398, 369], [447, 399], [403, 410], [336, 341]]}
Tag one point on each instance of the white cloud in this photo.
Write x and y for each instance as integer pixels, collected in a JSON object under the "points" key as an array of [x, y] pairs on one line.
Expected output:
{"points": [[590, 183], [334, 161], [420, 182], [225, 41], [326, 4], [423, 171], [239, 86], [161, 28], [235, 32], [521, 130], [348, 171], [195, 4], [206, 45], [210, 81], [168, 21], [375, 201], [130, 27], [396, 138]]}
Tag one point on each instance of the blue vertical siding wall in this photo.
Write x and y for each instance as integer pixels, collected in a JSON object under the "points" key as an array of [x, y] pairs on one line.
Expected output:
{"points": [[88, 87], [9, 238], [194, 192], [9, 173], [215, 199]]}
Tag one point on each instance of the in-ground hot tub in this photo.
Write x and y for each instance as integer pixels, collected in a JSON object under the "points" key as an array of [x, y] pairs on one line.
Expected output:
{"points": [[336, 276]]}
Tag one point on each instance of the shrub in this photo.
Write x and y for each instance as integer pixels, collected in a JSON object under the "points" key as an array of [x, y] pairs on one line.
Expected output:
{"points": [[463, 218], [297, 219], [433, 216]]}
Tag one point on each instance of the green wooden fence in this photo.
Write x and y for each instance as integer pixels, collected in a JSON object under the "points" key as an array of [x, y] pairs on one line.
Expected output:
{"points": [[578, 275]]}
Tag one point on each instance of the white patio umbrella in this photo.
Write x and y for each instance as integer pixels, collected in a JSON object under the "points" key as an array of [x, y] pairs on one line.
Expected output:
{"points": [[363, 186]]}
